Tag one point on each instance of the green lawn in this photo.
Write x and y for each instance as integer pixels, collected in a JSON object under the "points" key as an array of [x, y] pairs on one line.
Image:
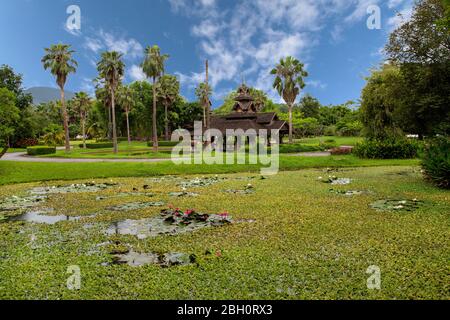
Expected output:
{"points": [[18, 172], [341, 141], [302, 241]]}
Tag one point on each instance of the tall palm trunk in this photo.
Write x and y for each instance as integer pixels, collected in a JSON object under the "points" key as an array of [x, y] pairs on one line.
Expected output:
{"points": [[155, 130], [290, 125], [65, 120], [166, 120], [113, 115], [204, 115], [128, 127], [109, 121], [83, 129]]}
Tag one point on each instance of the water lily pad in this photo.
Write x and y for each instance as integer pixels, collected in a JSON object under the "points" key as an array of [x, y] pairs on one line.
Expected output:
{"points": [[136, 259], [333, 180], [348, 193], [170, 222], [183, 194], [20, 203], [396, 205], [201, 182], [73, 188]]}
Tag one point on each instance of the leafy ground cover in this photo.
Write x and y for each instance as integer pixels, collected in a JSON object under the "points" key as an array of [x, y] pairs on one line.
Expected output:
{"points": [[291, 239]]}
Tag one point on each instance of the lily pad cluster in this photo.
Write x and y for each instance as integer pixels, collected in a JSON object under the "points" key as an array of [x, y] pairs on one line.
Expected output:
{"points": [[348, 193], [249, 189], [20, 203], [200, 182], [396, 205], [183, 194], [164, 260], [335, 180], [73, 188], [170, 222], [188, 217]]}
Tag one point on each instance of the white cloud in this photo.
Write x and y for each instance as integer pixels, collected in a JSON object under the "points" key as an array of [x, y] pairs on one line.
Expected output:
{"points": [[94, 45], [401, 17], [130, 47], [136, 73]]}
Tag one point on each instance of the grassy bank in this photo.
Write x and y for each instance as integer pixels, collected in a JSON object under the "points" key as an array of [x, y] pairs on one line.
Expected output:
{"points": [[17, 172]]}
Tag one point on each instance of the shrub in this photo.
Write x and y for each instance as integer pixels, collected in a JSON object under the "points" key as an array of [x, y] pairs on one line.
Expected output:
{"points": [[341, 151], [39, 151], [328, 144], [436, 162], [393, 148], [294, 148], [329, 131], [25, 143], [102, 145]]}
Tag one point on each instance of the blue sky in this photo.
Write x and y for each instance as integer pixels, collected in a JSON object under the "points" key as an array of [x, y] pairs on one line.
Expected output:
{"points": [[241, 39]]}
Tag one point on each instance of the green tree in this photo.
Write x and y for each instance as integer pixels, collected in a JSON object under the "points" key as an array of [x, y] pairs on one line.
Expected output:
{"points": [[82, 104], [289, 80], [111, 68], [9, 114], [143, 98], [168, 90], [58, 59], [421, 49], [126, 100], [379, 101], [28, 126], [203, 92], [153, 67], [310, 106], [54, 135]]}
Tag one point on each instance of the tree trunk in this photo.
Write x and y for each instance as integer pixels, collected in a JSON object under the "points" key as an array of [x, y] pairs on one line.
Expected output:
{"points": [[290, 124], [109, 122], [128, 127], [155, 129], [204, 115], [83, 129], [208, 115], [166, 120], [113, 115], [4, 150], [65, 120]]}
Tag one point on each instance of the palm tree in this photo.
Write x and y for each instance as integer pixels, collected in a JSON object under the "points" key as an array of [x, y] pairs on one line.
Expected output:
{"points": [[82, 103], [289, 81], [103, 94], [203, 92], [111, 69], [153, 67], [168, 90], [126, 100], [58, 59]]}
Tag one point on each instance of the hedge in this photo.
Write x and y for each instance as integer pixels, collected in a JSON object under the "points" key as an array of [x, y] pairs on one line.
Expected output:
{"points": [[39, 151], [164, 143], [102, 145], [391, 148]]}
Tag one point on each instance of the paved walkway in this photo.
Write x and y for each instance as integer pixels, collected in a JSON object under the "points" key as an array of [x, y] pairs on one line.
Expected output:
{"points": [[23, 157]]}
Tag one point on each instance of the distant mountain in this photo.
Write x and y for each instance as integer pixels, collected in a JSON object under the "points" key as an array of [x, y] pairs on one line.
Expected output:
{"points": [[47, 94]]}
